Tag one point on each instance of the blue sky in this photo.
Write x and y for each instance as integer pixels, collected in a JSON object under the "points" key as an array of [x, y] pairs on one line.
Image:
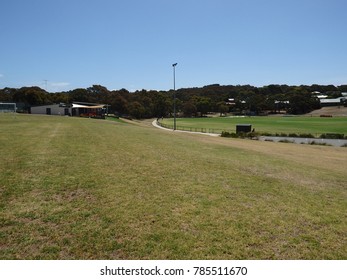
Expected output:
{"points": [[67, 44]]}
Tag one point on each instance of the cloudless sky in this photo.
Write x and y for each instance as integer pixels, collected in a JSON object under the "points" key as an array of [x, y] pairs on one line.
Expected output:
{"points": [[132, 44]]}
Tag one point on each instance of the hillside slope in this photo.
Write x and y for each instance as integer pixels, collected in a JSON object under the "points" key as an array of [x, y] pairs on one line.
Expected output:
{"points": [[335, 111]]}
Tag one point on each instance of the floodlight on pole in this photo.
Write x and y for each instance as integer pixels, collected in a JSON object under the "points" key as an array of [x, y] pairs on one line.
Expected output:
{"points": [[174, 80]]}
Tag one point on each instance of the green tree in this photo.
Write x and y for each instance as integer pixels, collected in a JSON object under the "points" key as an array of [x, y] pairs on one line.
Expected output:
{"points": [[136, 110], [6, 94], [223, 108], [302, 102], [31, 96], [60, 97], [203, 105], [119, 104], [189, 109], [161, 104], [98, 94], [79, 94]]}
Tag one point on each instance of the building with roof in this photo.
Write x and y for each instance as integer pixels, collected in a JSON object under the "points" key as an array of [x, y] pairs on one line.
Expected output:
{"points": [[333, 101], [80, 109]]}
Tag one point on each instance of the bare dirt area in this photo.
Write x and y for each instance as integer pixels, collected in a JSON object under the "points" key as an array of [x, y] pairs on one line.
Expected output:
{"points": [[335, 111]]}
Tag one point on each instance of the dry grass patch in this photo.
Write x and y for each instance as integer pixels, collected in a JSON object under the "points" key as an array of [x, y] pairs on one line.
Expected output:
{"points": [[87, 189]]}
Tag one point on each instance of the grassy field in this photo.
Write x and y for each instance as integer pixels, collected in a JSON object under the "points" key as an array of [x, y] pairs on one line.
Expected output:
{"points": [[313, 125], [73, 188]]}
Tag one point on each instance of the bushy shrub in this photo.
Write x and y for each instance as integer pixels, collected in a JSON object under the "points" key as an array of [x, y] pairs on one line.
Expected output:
{"points": [[229, 134], [285, 141], [293, 135], [242, 135], [333, 136], [306, 135], [251, 135], [281, 134], [266, 134]]}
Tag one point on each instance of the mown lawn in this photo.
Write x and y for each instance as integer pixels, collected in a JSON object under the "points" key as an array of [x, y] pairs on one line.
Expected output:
{"points": [[306, 124], [75, 188]]}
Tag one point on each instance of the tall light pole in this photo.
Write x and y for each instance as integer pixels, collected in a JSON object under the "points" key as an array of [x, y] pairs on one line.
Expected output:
{"points": [[174, 80]]}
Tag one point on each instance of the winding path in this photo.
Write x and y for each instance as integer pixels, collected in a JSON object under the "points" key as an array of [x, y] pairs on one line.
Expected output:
{"points": [[154, 123]]}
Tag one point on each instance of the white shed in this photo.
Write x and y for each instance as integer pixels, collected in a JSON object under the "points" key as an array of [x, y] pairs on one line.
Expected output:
{"points": [[55, 109]]}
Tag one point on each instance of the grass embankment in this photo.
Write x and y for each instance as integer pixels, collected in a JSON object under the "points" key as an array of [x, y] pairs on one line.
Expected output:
{"points": [[76, 188], [313, 125]]}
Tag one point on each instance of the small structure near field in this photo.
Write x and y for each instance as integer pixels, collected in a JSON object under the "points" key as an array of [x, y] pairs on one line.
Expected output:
{"points": [[55, 109], [79, 109], [245, 128], [333, 101], [8, 107], [89, 110]]}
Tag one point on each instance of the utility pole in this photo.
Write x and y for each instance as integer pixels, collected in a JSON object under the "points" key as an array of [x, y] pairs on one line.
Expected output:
{"points": [[174, 80]]}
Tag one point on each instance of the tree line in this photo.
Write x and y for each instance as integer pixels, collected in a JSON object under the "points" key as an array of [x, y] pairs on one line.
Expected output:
{"points": [[190, 102]]}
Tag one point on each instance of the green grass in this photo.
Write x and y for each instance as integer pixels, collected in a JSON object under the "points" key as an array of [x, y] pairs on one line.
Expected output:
{"points": [[73, 188], [313, 125]]}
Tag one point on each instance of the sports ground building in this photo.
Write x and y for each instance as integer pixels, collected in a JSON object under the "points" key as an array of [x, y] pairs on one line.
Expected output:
{"points": [[79, 109]]}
